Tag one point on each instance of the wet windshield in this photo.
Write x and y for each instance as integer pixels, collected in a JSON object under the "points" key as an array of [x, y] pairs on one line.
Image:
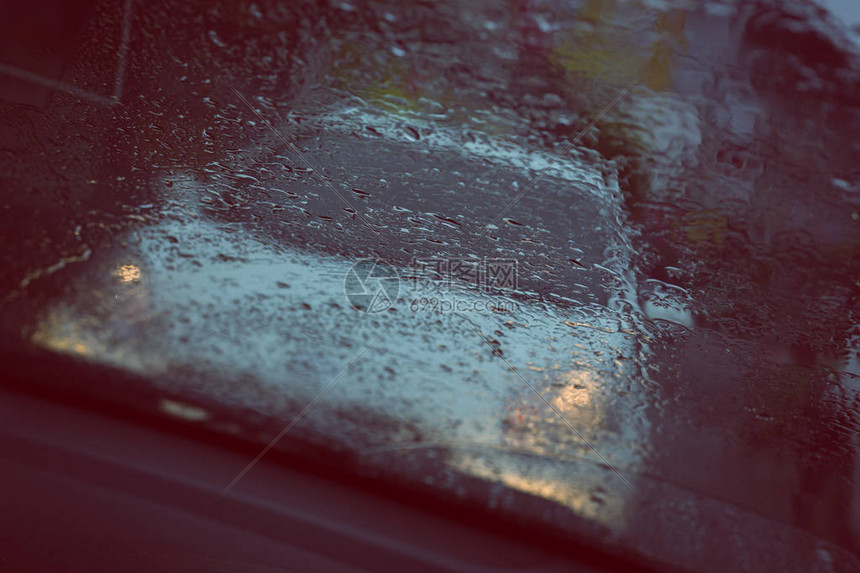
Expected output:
{"points": [[591, 265]]}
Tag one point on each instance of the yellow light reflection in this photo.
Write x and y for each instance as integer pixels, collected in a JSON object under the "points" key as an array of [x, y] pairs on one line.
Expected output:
{"points": [[579, 400], [128, 273], [103, 321], [577, 394], [567, 473], [584, 490], [62, 333], [64, 345]]}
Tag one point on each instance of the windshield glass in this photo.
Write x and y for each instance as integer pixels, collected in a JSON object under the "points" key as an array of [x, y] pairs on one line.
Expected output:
{"points": [[591, 265]]}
